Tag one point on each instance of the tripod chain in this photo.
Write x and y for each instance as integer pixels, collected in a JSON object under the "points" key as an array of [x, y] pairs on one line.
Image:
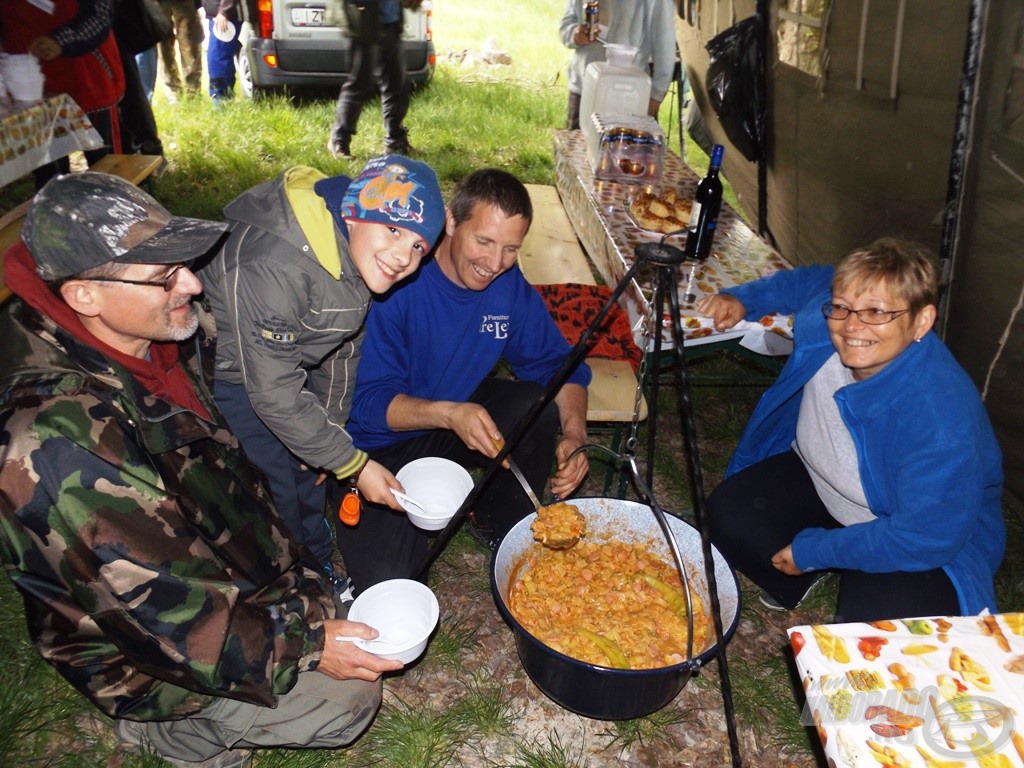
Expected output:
{"points": [[648, 322]]}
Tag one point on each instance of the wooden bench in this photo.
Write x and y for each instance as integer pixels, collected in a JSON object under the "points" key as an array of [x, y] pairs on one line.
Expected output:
{"points": [[134, 168], [552, 254]]}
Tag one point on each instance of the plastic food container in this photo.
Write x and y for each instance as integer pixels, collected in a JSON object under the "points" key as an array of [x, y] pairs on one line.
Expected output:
{"points": [[625, 148]]}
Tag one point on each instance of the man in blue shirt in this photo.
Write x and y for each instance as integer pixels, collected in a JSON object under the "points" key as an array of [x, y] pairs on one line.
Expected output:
{"points": [[423, 387]]}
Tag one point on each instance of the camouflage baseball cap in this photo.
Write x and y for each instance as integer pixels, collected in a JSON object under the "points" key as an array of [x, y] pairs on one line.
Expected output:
{"points": [[82, 220]]}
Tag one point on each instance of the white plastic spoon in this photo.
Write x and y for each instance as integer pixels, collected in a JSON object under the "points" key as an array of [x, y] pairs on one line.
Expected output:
{"points": [[407, 501], [395, 637]]}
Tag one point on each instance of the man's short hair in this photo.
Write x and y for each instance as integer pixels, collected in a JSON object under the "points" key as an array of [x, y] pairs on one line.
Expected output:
{"points": [[493, 187]]}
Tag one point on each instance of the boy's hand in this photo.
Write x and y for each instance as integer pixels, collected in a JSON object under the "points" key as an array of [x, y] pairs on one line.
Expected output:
{"points": [[374, 483], [342, 660]]}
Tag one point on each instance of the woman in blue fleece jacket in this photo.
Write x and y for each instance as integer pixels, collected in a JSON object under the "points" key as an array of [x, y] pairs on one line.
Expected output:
{"points": [[872, 455]]}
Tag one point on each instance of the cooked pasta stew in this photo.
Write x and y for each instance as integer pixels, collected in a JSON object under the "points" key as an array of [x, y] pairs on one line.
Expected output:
{"points": [[557, 523], [613, 603]]}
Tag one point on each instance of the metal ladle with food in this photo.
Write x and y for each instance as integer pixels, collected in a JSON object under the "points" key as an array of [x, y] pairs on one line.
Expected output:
{"points": [[558, 525]]}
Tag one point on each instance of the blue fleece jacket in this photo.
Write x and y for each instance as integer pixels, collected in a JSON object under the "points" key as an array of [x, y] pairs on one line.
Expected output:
{"points": [[438, 341], [929, 462]]}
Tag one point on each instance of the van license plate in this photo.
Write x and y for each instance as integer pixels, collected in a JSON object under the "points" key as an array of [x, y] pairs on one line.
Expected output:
{"points": [[308, 17]]}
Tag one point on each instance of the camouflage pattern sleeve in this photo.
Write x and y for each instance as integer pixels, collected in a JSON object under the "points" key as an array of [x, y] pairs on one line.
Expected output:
{"points": [[152, 580]]}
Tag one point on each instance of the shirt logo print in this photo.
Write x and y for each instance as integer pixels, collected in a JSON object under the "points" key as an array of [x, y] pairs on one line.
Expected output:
{"points": [[496, 325]]}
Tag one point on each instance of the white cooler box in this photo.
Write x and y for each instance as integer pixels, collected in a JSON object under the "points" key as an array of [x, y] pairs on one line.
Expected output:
{"points": [[608, 88]]}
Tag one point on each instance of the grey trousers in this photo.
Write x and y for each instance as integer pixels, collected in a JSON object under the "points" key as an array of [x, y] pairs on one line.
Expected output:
{"points": [[319, 712]]}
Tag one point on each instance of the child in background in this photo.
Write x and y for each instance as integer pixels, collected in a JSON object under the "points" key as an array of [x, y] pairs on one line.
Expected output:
{"points": [[290, 290]]}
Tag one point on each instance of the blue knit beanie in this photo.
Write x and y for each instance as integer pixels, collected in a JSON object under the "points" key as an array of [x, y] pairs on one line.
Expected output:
{"points": [[389, 190]]}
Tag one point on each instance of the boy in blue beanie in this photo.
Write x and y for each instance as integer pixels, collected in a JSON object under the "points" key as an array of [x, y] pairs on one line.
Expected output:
{"points": [[290, 290]]}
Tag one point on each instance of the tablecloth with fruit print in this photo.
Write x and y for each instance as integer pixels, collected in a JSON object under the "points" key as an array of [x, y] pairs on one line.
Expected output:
{"points": [[934, 692]]}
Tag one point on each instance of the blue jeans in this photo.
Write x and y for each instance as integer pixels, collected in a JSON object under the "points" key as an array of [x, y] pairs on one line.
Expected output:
{"points": [[299, 501], [220, 62], [146, 62]]}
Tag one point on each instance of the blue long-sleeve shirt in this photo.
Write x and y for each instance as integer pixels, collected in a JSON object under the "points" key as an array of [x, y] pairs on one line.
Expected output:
{"points": [[929, 462], [435, 340]]}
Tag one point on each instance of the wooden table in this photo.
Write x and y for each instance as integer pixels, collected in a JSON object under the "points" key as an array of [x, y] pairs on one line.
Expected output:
{"points": [[598, 213], [38, 132], [937, 691]]}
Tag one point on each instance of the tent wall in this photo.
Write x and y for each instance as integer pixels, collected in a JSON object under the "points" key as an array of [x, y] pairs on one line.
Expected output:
{"points": [[986, 319], [862, 148], [847, 163]]}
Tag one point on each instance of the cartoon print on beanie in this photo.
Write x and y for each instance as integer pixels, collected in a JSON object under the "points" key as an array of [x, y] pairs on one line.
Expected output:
{"points": [[398, 191]]}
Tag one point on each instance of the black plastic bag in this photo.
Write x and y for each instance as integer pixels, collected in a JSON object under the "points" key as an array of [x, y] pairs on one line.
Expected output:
{"points": [[736, 87]]}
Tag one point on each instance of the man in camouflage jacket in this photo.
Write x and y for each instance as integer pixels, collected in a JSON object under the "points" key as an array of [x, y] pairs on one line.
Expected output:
{"points": [[156, 574]]}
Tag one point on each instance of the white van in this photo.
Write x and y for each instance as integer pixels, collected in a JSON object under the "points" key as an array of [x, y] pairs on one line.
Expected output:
{"points": [[287, 43]]}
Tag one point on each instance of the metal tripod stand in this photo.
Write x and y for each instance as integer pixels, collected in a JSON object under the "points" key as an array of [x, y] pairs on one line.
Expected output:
{"points": [[666, 259]]}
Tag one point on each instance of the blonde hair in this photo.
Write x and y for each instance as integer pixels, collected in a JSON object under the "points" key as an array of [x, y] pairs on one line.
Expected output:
{"points": [[908, 270]]}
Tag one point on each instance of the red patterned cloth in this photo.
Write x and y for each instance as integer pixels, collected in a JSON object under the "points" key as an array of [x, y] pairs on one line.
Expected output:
{"points": [[574, 306]]}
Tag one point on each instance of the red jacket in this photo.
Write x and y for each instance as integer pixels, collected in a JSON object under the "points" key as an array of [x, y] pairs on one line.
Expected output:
{"points": [[92, 76]]}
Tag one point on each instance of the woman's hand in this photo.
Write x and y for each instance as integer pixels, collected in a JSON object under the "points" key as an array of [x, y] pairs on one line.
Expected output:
{"points": [[783, 561], [342, 660], [723, 309]]}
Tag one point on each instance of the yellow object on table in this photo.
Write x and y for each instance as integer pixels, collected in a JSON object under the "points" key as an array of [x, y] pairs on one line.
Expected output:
{"points": [[934, 692]]}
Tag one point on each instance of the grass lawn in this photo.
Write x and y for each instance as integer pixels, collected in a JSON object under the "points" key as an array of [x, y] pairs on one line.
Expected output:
{"points": [[467, 702]]}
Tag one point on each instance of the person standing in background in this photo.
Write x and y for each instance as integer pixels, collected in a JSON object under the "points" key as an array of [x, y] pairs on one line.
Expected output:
{"points": [[134, 36], [377, 64], [222, 18], [647, 25], [78, 56], [186, 40]]}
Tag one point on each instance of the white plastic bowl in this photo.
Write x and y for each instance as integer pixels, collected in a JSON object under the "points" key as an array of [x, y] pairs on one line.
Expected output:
{"points": [[619, 55], [439, 486], [403, 611]]}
